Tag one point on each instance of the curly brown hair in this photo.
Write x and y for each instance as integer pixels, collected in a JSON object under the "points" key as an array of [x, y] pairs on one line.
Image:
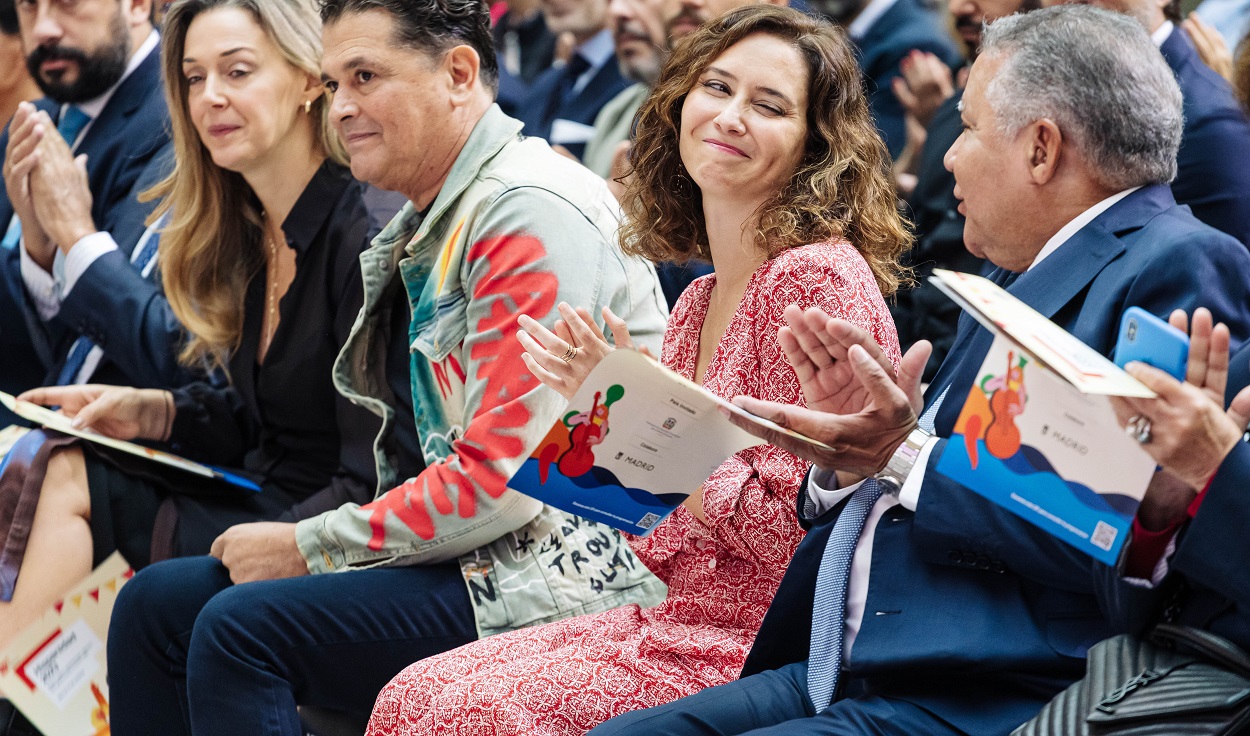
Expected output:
{"points": [[842, 188]]}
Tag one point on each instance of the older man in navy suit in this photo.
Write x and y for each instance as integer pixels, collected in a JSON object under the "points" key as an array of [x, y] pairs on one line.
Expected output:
{"points": [[915, 606], [70, 264], [563, 102], [1212, 176]]}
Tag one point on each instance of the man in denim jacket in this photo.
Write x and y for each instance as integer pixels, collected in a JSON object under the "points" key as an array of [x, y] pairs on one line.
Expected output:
{"points": [[497, 226]]}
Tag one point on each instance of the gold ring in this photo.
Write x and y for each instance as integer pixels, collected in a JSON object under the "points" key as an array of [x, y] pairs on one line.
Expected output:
{"points": [[569, 354]]}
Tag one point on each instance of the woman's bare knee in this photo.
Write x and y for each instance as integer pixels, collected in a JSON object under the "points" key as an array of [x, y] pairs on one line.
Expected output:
{"points": [[65, 483]]}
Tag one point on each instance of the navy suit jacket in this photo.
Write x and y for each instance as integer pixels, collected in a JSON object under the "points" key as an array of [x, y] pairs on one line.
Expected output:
{"points": [[541, 106], [1207, 576], [128, 150], [905, 26], [973, 613], [1213, 175]]}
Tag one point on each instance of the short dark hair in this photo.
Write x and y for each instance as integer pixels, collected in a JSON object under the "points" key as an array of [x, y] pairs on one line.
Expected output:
{"points": [[1172, 11], [8, 17], [433, 26]]}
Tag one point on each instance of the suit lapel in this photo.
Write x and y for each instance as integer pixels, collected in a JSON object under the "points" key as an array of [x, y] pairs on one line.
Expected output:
{"points": [[972, 342], [1177, 50]]}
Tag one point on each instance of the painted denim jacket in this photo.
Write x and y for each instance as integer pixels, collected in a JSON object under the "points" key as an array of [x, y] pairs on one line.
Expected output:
{"points": [[516, 229]]}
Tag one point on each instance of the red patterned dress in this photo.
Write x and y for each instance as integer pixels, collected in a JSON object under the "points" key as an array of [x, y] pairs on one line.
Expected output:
{"points": [[568, 676]]}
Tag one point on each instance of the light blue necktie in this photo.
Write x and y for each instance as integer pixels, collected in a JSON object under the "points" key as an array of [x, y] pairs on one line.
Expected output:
{"points": [[70, 125], [824, 662]]}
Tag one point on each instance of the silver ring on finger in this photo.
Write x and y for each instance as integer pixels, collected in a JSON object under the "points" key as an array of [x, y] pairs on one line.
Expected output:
{"points": [[1139, 428]]}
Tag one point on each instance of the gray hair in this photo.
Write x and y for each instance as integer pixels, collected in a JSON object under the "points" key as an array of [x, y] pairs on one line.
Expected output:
{"points": [[1096, 74]]}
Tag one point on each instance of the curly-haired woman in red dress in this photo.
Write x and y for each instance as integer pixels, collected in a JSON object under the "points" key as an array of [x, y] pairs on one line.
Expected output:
{"points": [[756, 152]]}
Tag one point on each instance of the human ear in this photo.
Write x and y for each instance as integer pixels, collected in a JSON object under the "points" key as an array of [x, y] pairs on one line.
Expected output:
{"points": [[314, 88], [1043, 141], [462, 65], [137, 11]]}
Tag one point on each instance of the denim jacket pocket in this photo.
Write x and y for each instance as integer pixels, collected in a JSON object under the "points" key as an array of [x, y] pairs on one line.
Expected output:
{"points": [[442, 331]]}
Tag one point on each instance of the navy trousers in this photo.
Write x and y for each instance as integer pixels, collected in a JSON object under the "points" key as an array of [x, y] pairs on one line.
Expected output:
{"points": [[775, 703], [190, 653]]}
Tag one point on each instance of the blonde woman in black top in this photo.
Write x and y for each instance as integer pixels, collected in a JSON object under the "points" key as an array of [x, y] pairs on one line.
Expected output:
{"points": [[259, 262]]}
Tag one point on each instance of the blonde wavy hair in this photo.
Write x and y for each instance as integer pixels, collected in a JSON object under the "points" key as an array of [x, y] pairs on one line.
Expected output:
{"points": [[211, 247], [842, 188]]}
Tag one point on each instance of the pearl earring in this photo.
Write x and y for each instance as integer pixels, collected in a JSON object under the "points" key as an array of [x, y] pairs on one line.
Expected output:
{"points": [[307, 106]]}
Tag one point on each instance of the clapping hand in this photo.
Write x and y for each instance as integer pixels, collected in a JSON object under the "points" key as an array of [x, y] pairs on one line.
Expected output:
{"points": [[21, 157], [856, 404], [1210, 46], [923, 84], [59, 190], [1190, 432], [562, 359]]}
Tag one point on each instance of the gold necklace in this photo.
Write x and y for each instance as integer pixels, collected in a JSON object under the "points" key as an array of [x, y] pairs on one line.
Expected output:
{"points": [[271, 290]]}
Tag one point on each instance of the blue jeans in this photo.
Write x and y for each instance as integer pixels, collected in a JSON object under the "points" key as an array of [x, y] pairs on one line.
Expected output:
{"points": [[190, 653], [775, 703]]}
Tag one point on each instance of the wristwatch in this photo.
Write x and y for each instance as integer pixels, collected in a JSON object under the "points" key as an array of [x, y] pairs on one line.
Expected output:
{"points": [[895, 472]]}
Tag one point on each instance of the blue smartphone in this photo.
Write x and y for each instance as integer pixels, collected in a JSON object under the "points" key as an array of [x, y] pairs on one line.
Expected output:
{"points": [[1150, 340]]}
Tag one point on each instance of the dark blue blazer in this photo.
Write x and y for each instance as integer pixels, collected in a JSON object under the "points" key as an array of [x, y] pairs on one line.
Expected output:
{"points": [[1213, 165], [907, 25], [973, 613], [110, 303], [1208, 582], [541, 106]]}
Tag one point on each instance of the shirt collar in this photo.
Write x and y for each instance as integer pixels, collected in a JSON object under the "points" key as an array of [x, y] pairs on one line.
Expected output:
{"points": [[1078, 222], [598, 49], [1162, 33], [867, 17], [316, 204], [94, 107]]}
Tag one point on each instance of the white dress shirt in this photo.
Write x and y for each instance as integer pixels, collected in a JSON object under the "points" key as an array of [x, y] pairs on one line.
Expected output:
{"points": [[48, 290], [821, 498], [868, 17], [599, 50]]}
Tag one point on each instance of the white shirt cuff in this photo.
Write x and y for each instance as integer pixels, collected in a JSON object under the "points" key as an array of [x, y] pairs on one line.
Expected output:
{"points": [[821, 498], [40, 285], [82, 255], [909, 494]]}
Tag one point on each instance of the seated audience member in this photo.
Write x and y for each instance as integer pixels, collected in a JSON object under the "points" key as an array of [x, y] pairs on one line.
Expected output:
{"points": [[1210, 176], [98, 64], [1186, 523], [497, 226], [524, 49], [642, 45], [641, 39], [16, 84], [260, 252], [887, 32], [645, 31], [924, 312], [562, 103], [913, 605], [764, 109]]}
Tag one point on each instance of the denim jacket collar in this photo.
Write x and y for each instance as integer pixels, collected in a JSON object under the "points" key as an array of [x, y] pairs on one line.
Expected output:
{"points": [[489, 136]]}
